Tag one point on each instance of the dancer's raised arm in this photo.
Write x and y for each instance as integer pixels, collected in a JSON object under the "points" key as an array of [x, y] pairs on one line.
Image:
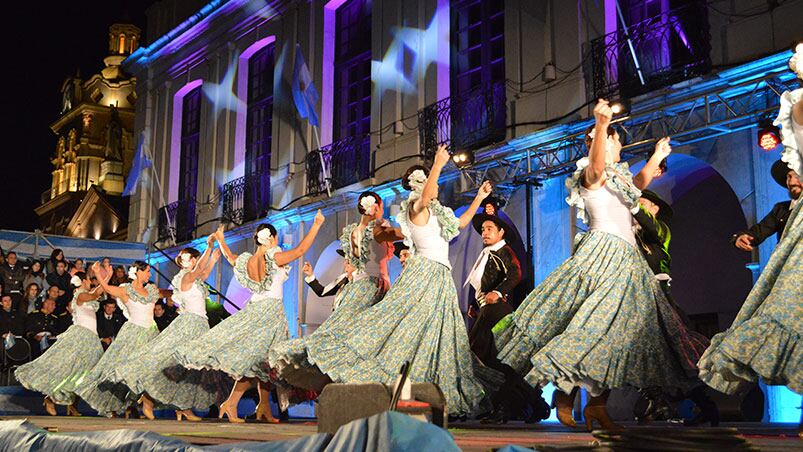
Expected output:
{"points": [[221, 240], [285, 257], [430, 190], [643, 179], [482, 193], [595, 171], [103, 275]]}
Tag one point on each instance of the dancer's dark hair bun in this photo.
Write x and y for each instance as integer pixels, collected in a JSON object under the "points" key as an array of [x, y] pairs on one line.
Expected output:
{"points": [[405, 182], [261, 227], [365, 195]]}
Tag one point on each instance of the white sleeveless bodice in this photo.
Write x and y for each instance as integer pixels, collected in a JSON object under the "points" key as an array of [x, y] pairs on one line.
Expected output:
{"points": [[84, 315], [140, 314], [276, 289], [428, 241], [192, 300], [607, 212]]}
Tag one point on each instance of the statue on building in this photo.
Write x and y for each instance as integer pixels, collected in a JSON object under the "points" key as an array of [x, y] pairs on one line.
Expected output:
{"points": [[70, 93], [114, 137]]}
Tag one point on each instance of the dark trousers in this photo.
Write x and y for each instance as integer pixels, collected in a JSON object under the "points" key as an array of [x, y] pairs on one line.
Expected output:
{"points": [[515, 396]]}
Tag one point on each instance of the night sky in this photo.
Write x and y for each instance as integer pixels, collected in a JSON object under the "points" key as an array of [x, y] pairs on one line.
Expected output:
{"points": [[45, 42]]}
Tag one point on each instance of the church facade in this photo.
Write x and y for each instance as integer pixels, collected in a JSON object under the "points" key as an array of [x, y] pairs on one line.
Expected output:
{"points": [[94, 148]]}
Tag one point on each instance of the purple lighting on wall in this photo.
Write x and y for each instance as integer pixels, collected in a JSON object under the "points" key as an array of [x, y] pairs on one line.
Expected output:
{"points": [[175, 139]]}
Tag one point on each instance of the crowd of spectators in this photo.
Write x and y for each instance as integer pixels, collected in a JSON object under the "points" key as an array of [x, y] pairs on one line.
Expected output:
{"points": [[36, 296]]}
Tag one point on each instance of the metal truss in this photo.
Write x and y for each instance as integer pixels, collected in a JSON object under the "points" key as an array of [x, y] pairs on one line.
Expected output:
{"points": [[687, 118]]}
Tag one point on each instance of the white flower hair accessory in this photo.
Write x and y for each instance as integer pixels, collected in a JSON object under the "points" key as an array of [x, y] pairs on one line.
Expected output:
{"points": [[264, 236], [75, 281], [368, 204], [608, 146], [185, 260], [417, 179], [132, 272], [796, 62]]}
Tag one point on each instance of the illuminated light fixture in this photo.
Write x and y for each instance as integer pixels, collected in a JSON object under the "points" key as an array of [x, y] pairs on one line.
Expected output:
{"points": [[769, 136], [463, 159], [620, 107]]}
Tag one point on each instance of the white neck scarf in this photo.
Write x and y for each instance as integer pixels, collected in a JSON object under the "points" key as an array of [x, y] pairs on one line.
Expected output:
{"points": [[475, 277]]}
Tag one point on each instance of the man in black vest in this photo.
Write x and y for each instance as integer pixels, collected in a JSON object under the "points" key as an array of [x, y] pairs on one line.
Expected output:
{"points": [[333, 288], [775, 221], [493, 277]]}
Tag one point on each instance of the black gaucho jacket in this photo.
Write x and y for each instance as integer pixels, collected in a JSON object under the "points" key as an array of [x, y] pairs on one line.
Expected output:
{"points": [[502, 272]]}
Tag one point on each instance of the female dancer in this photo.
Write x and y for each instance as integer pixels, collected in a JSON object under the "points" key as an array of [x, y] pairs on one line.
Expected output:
{"points": [[136, 300], [764, 340], [57, 372], [145, 374], [600, 320], [367, 246], [419, 319], [238, 345]]}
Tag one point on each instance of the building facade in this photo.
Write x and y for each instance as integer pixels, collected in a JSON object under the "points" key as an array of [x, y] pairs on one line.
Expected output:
{"points": [[95, 148]]}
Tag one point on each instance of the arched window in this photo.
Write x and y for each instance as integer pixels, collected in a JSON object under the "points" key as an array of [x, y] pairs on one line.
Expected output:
{"points": [[121, 47]]}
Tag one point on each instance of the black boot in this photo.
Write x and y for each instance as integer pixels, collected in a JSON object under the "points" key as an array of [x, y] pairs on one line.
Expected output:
{"points": [[709, 412]]}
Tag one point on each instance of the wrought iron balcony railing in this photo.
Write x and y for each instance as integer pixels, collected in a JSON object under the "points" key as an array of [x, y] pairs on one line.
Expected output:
{"points": [[669, 48], [470, 121], [246, 198], [347, 161], [177, 220]]}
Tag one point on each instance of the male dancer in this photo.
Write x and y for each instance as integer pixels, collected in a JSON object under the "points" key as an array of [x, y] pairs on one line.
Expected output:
{"points": [[493, 277], [775, 221]]}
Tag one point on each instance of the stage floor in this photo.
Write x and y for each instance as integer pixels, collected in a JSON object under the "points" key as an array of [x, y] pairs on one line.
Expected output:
{"points": [[469, 436]]}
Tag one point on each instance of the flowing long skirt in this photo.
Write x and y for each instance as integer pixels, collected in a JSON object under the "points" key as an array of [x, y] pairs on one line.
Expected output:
{"points": [[419, 321], [765, 339], [289, 357], [600, 320], [148, 372], [239, 344], [57, 372], [98, 387]]}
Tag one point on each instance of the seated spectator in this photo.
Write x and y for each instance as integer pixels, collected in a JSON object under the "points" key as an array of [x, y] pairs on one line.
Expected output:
{"points": [[160, 316], [77, 266], [53, 293], [11, 321], [40, 327], [61, 279], [13, 275], [64, 320], [29, 299], [119, 277], [55, 257], [35, 276], [110, 320], [170, 307]]}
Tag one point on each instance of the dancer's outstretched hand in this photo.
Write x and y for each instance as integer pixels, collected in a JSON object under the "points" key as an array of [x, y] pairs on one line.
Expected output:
{"points": [[441, 156], [603, 112], [307, 269], [319, 218], [663, 148], [219, 233], [485, 190]]}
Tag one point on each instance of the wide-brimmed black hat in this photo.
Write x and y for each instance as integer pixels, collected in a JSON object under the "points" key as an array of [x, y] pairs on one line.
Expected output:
{"points": [[398, 247], [490, 212], [341, 252], [779, 171], [665, 211]]}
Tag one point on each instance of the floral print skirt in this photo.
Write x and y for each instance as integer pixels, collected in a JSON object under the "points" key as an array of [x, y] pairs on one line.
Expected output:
{"points": [[765, 339], [601, 321]]}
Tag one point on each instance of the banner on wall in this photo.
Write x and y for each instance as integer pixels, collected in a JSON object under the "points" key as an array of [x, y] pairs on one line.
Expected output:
{"points": [[38, 245]]}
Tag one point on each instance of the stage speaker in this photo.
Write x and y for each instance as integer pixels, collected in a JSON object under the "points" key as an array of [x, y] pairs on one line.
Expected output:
{"points": [[341, 403]]}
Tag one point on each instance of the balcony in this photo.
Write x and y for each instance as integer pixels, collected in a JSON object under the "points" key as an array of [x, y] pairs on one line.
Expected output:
{"points": [[468, 121], [246, 198], [347, 161], [177, 220], [669, 48]]}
